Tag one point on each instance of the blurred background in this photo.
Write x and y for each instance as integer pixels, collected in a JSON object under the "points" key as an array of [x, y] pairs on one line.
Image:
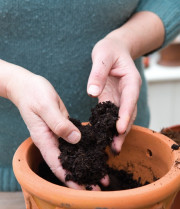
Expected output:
{"points": [[162, 71]]}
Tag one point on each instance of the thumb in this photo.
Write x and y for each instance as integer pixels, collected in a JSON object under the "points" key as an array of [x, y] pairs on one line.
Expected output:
{"points": [[55, 116], [60, 125], [102, 64]]}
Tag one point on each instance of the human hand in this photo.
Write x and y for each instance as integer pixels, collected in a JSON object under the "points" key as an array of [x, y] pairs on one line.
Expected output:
{"points": [[46, 118], [114, 77]]}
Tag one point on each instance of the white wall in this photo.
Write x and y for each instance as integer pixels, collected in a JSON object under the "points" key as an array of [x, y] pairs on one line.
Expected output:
{"points": [[163, 95]]}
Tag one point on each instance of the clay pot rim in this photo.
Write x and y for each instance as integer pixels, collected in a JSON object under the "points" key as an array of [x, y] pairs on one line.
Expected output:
{"points": [[153, 192]]}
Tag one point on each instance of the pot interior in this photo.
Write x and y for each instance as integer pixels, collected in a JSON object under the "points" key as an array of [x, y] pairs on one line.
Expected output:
{"points": [[143, 153]]}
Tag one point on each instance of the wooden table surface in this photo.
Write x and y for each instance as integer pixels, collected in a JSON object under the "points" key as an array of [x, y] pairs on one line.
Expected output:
{"points": [[12, 200]]}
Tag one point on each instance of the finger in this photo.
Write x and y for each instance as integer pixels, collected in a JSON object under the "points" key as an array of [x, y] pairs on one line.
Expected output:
{"points": [[102, 63], [60, 173], [74, 185], [50, 154], [59, 124], [110, 91], [128, 102], [105, 181], [95, 188], [119, 140], [117, 143], [130, 84], [48, 145]]}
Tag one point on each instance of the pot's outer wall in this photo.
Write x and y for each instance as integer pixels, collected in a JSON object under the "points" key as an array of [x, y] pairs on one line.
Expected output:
{"points": [[151, 156], [176, 203]]}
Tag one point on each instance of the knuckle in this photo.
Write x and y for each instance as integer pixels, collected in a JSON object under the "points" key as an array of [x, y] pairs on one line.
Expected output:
{"points": [[60, 129], [96, 49], [99, 75], [42, 106]]}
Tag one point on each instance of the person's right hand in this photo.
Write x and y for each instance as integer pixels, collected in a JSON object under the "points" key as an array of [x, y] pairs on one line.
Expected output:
{"points": [[45, 115]]}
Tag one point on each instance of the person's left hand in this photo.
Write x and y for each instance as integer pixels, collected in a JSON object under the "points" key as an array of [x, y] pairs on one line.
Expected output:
{"points": [[114, 77]]}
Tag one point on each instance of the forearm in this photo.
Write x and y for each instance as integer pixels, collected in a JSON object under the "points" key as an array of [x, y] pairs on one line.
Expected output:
{"points": [[10, 74], [5, 75], [142, 33]]}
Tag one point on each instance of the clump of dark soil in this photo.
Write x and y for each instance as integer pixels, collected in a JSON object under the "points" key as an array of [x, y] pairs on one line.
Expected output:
{"points": [[86, 161]]}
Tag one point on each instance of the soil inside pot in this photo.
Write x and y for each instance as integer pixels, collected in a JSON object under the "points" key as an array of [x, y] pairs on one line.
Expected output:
{"points": [[86, 161], [174, 135], [119, 179]]}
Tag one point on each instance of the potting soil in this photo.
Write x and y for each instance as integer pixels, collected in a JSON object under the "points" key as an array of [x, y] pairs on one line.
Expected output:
{"points": [[86, 161]]}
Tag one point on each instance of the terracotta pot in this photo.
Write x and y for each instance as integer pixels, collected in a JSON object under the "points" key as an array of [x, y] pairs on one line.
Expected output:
{"points": [[170, 56], [145, 153], [176, 204]]}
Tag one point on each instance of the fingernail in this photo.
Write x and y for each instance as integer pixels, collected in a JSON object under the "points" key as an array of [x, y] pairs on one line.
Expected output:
{"points": [[93, 90], [74, 137]]}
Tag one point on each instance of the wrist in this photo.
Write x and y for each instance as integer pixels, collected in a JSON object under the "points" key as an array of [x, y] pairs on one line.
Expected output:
{"points": [[6, 74], [141, 34], [122, 38], [17, 80]]}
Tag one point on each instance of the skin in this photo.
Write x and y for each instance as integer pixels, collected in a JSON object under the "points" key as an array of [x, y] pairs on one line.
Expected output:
{"points": [[113, 77], [114, 72]]}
